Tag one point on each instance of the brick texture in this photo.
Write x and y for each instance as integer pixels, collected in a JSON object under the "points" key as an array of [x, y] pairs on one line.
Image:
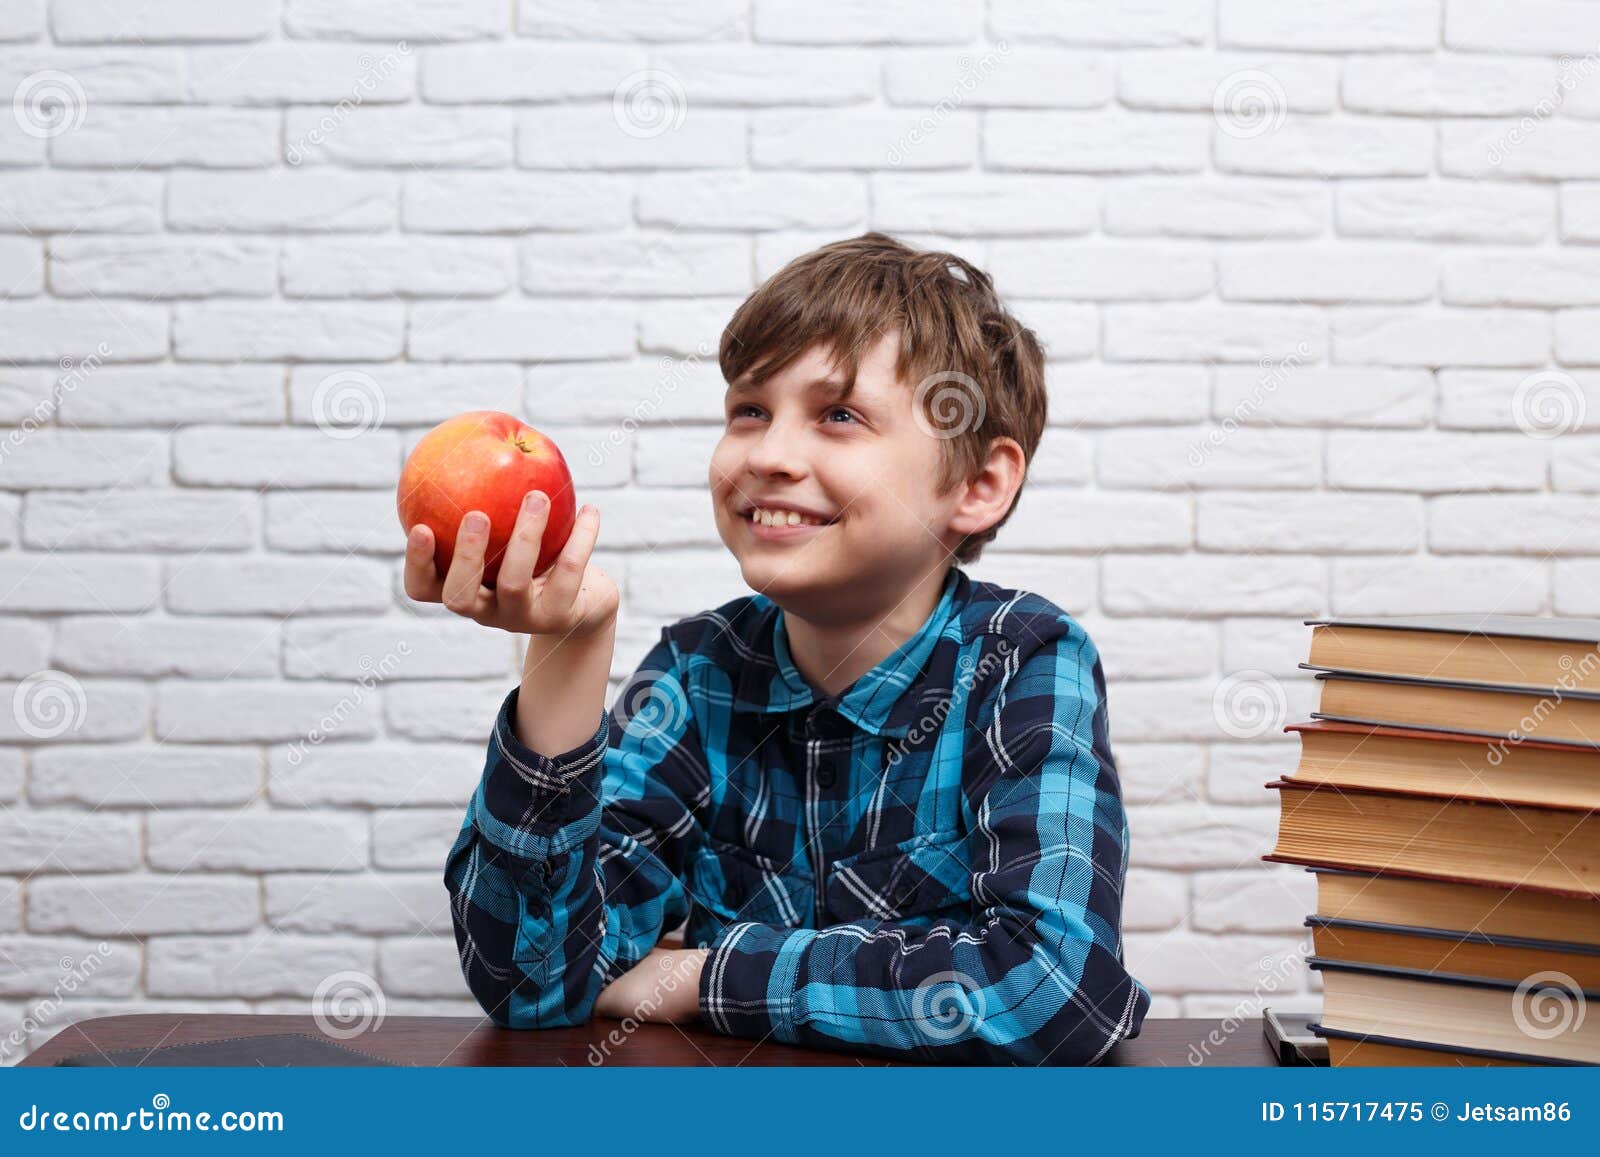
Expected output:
{"points": [[1319, 286]]}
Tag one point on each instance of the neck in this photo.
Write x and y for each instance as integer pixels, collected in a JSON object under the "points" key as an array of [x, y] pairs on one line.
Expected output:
{"points": [[834, 655]]}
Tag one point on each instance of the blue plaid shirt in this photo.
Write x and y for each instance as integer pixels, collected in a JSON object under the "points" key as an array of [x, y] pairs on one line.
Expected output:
{"points": [[927, 866]]}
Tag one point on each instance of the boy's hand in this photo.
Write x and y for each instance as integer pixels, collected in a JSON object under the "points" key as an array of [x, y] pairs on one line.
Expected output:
{"points": [[664, 986], [571, 599]]}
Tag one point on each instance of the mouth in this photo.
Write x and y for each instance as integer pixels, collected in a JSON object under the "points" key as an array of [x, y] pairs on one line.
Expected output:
{"points": [[775, 523]]}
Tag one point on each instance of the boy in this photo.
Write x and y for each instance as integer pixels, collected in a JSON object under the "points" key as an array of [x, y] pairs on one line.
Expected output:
{"points": [[879, 795]]}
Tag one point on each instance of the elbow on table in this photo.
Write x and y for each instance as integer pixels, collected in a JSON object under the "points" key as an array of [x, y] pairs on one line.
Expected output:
{"points": [[1098, 1017], [1061, 1021], [518, 995], [520, 1007]]}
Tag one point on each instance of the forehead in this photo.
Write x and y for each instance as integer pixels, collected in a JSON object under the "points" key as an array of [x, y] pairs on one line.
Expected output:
{"points": [[820, 370]]}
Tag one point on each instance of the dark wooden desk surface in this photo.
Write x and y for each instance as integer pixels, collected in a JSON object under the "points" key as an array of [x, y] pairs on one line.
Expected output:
{"points": [[453, 1041]]}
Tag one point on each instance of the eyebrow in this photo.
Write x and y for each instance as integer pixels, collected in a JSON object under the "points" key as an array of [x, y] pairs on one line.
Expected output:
{"points": [[833, 387]]}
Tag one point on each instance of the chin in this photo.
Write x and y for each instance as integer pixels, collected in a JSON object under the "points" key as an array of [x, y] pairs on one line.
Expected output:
{"points": [[783, 584]]}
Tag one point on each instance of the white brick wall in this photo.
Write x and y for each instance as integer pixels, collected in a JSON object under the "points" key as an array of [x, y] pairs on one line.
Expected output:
{"points": [[1317, 282]]}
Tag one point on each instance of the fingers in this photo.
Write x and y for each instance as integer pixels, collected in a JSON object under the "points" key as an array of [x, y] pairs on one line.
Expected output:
{"points": [[422, 579], [565, 575], [522, 552], [464, 592]]}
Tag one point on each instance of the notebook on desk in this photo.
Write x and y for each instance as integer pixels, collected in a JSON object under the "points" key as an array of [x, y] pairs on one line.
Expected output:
{"points": [[274, 1050]]}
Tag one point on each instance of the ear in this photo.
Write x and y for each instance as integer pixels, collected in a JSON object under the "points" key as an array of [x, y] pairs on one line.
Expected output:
{"points": [[988, 494]]}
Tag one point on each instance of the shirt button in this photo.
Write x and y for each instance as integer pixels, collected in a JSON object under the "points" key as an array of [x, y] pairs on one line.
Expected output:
{"points": [[825, 776]]}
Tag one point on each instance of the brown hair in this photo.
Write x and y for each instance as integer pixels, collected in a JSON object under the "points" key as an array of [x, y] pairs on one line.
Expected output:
{"points": [[973, 361]]}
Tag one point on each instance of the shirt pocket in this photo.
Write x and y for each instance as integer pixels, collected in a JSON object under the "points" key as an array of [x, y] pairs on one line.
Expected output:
{"points": [[733, 884], [917, 880]]}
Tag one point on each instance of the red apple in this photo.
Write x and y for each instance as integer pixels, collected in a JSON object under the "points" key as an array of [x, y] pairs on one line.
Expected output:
{"points": [[485, 460]]}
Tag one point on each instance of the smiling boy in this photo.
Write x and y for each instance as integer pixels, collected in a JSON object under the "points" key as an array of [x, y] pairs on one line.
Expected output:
{"points": [[878, 795]]}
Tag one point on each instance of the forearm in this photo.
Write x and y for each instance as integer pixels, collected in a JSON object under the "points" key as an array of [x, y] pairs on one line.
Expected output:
{"points": [[564, 688], [520, 869], [1009, 988], [552, 893]]}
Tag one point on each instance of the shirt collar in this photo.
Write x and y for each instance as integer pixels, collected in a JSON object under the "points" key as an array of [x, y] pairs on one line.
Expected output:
{"points": [[776, 684]]}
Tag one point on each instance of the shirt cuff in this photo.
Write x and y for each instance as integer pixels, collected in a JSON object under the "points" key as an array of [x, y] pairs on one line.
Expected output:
{"points": [[523, 789], [748, 986]]}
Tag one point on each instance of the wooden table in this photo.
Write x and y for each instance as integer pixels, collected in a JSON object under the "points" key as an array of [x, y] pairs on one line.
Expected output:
{"points": [[453, 1041]]}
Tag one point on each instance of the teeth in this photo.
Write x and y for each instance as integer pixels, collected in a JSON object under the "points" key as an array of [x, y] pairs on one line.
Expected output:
{"points": [[783, 518]]}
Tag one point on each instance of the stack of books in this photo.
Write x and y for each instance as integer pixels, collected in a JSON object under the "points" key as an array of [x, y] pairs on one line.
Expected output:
{"points": [[1448, 802]]}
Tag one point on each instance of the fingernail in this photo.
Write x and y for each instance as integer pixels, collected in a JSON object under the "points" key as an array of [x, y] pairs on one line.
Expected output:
{"points": [[477, 521], [534, 500]]}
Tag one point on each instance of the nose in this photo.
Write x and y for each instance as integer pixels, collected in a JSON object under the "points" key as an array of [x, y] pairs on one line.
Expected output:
{"points": [[777, 452]]}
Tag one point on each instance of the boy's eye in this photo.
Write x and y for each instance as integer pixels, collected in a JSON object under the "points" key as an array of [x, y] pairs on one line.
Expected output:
{"points": [[739, 410], [840, 410]]}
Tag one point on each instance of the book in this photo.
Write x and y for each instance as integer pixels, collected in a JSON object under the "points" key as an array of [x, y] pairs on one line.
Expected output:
{"points": [[1446, 950], [1515, 650], [1556, 848], [1453, 906], [1290, 1036], [1500, 711], [1369, 1049], [1447, 798], [1368, 755], [1541, 1021]]}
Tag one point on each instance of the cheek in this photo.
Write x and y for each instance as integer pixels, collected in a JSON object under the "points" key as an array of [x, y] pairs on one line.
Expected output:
{"points": [[724, 466], [878, 479]]}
